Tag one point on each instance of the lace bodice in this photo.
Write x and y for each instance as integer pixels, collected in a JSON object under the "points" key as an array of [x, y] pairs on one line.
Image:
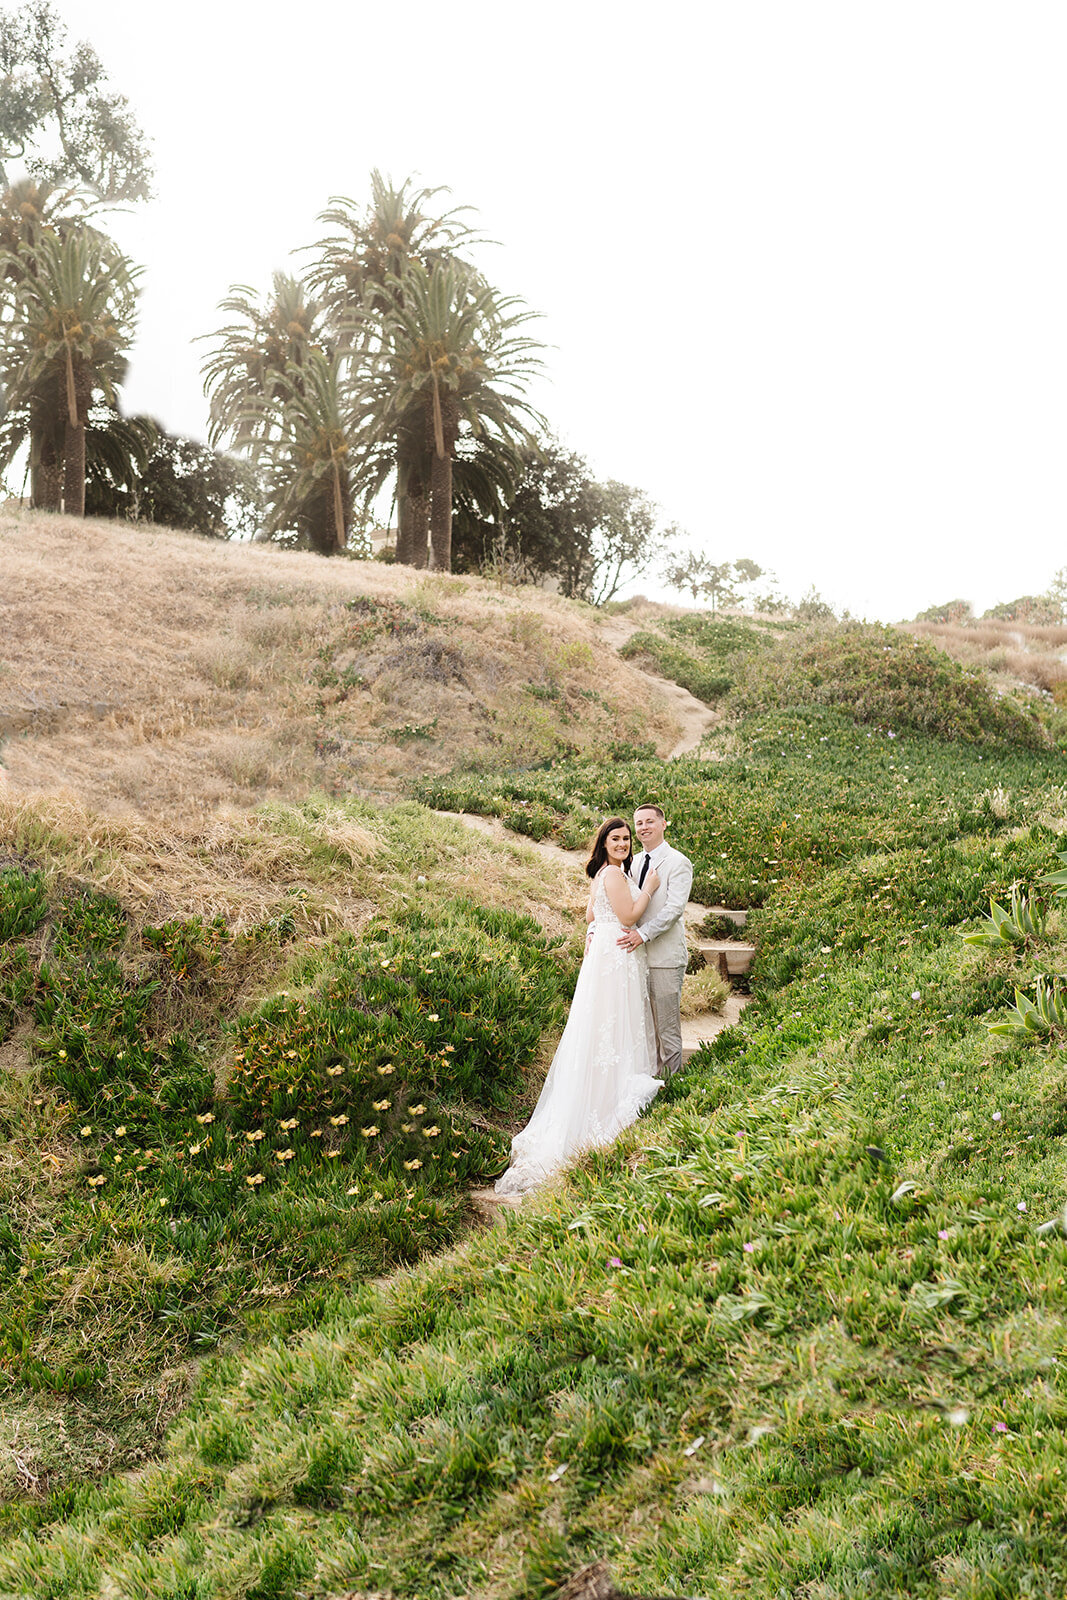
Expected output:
{"points": [[603, 911]]}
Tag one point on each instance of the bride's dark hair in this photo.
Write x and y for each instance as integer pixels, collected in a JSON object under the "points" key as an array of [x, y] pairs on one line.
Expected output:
{"points": [[599, 853]]}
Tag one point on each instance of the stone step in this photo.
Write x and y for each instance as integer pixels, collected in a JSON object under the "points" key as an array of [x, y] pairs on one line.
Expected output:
{"points": [[738, 956], [740, 917]]}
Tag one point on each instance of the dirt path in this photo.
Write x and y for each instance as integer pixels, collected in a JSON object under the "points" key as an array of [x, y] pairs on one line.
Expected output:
{"points": [[696, 717]]}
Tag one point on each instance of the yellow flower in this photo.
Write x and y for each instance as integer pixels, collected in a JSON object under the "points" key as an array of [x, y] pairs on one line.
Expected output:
{"points": [[383, 1072], [284, 1155], [163, 1200], [257, 1133], [338, 1122], [416, 1111], [434, 954], [316, 1133], [450, 1048], [120, 1133], [62, 1055], [86, 1131], [412, 1166], [432, 1016], [195, 1149], [384, 963], [381, 1105], [371, 1131], [256, 1177], [431, 1133], [334, 1072], [289, 1122], [94, 1183], [206, 1116], [354, 1189], [118, 1161], [291, 1054], [330, 1154], [406, 1127]]}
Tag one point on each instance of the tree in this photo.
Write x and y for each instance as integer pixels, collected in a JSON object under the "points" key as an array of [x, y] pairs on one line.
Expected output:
{"points": [[452, 359], [1056, 594], [57, 115], [281, 391], [68, 322], [359, 273], [560, 523], [154, 476], [720, 583]]}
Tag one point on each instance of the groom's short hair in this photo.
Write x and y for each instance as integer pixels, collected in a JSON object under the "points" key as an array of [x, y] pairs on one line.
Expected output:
{"points": [[650, 805]]}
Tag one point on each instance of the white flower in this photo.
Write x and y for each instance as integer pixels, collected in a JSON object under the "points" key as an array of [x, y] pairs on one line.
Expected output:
{"points": [[1021, 1206], [916, 994]]}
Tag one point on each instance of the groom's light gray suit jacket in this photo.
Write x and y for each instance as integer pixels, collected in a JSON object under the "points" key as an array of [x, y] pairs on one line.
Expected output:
{"points": [[663, 925]]}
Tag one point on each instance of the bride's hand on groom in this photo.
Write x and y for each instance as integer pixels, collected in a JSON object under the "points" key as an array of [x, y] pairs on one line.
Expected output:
{"points": [[651, 883]]}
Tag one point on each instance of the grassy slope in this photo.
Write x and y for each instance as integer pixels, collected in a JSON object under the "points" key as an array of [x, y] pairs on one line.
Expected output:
{"points": [[187, 1148], [795, 1334], [734, 1355], [157, 671]]}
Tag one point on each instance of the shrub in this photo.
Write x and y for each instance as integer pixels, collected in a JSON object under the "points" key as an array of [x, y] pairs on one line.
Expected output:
{"points": [[886, 678]]}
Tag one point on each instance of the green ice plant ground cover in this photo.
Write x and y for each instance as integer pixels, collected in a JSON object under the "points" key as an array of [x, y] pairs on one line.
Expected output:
{"points": [[179, 1165], [797, 1334]]}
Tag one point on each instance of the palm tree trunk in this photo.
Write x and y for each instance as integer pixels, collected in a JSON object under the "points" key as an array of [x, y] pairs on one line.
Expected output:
{"points": [[74, 471], [443, 430], [46, 478], [419, 519]]}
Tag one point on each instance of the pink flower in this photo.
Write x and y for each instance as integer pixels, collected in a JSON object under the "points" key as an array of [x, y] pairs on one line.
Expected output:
{"points": [[942, 1233], [613, 1261], [1000, 1427], [748, 1249]]}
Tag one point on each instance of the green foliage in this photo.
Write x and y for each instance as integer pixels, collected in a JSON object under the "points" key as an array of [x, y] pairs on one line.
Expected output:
{"points": [[885, 678], [58, 115], [697, 652], [211, 1159], [807, 790], [181, 484], [799, 1330]]}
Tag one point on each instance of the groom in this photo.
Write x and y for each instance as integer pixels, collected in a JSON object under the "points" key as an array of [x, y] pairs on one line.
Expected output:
{"points": [[662, 929]]}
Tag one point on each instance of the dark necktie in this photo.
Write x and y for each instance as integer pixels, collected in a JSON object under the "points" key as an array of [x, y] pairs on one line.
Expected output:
{"points": [[643, 873]]}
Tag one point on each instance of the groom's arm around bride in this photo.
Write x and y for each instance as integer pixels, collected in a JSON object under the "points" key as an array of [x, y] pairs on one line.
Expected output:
{"points": [[662, 930]]}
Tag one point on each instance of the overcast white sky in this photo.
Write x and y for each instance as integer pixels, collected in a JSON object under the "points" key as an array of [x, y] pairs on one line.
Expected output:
{"points": [[803, 263]]}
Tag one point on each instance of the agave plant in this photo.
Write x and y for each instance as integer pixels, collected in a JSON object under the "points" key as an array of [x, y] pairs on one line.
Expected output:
{"points": [[1040, 1018], [1021, 923]]}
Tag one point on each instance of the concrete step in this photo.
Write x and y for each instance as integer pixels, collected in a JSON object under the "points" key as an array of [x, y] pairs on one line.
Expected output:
{"points": [[738, 956], [740, 917]]}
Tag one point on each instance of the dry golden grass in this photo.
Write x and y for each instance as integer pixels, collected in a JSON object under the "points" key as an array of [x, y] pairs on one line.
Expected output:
{"points": [[158, 673], [327, 869], [1024, 652]]}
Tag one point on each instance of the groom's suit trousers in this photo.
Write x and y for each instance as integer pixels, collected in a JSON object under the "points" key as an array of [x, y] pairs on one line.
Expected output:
{"points": [[665, 993]]}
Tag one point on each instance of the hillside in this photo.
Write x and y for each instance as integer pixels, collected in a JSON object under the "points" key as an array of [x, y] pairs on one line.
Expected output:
{"points": [[160, 673], [800, 1333]]}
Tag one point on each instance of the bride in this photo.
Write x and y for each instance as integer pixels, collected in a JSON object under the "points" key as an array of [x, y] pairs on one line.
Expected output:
{"points": [[602, 1075]]}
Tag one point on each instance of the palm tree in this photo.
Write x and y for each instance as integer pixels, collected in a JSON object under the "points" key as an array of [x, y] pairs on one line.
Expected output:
{"points": [[279, 391], [359, 272], [454, 359], [69, 319], [311, 429], [245, 376]]}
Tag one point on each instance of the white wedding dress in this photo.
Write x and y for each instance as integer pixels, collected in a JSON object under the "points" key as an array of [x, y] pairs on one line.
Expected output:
{"points": [[602, 1074]]}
